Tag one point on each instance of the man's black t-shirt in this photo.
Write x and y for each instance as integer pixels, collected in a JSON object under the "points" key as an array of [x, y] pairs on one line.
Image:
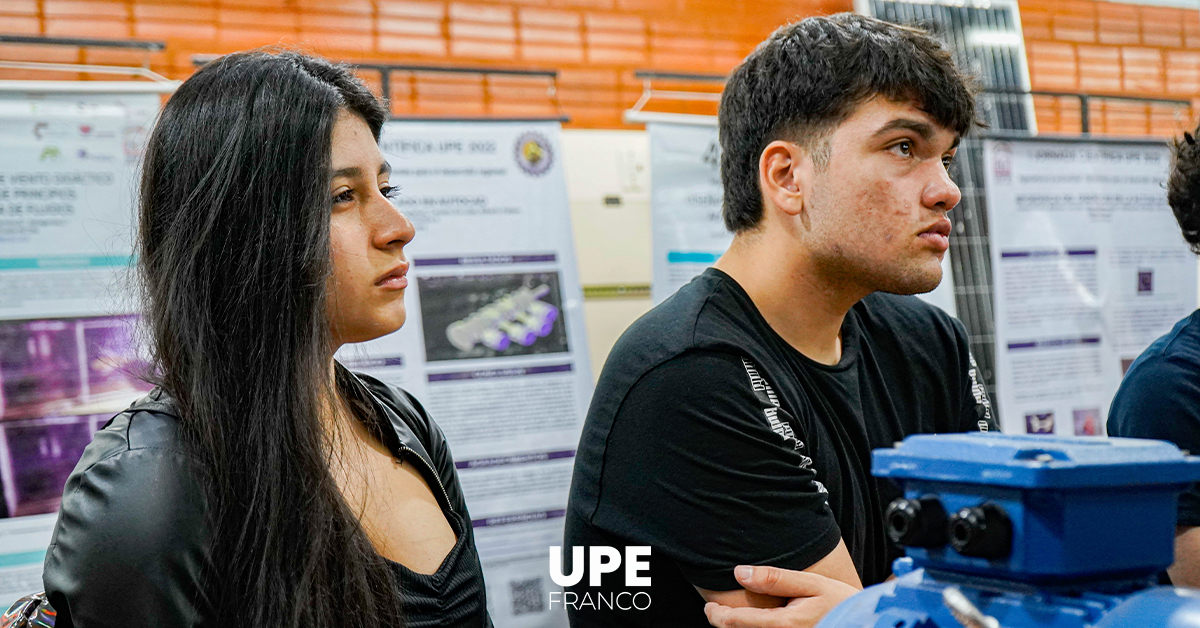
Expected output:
{"points": [[1159, 398], [687, 451]]}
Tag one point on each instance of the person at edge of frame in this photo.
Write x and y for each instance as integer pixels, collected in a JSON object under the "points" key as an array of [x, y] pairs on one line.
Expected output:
{"points": [[732, 426], [1159, 396], [262, 483]]}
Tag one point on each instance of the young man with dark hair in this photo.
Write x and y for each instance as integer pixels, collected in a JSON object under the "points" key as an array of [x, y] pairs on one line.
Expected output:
{"points": [[734, 423], [1159, 396]]}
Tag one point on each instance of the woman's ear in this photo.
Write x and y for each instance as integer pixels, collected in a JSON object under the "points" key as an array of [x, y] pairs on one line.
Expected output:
{"points": [[784, 173]]}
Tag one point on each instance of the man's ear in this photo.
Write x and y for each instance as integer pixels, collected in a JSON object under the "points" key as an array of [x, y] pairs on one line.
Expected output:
{"points": [[784, 173]]}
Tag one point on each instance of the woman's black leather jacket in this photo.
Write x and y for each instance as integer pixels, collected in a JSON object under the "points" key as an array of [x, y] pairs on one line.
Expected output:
{"points": [[131, 546]]}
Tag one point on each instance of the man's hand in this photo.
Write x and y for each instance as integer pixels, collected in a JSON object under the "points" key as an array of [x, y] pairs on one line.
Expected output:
{"points": [[812, 596], [1186, 570]]}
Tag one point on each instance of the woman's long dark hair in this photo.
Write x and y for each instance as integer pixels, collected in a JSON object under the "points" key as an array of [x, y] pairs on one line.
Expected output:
{"points": [[234, 255]]}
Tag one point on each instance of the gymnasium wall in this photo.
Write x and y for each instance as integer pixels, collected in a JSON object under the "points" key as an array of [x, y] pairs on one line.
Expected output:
{"points": [[1112, 48], [1092, 46]]}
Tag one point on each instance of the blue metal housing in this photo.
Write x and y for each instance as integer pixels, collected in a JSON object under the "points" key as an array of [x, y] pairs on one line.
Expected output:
{"points": [[915, 601], [1066, 497], [1092, 522]]}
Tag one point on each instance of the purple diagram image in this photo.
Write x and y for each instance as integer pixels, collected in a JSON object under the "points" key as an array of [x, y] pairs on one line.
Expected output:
{"points": [[41, 453], [60, 379], [39, 366], [113, 362], [57, 366], [497, 315], [515, 317]]}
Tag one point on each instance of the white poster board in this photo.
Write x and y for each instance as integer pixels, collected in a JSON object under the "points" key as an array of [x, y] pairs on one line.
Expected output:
{"points": [[494, 345], [68, 362], [1089, 267], [67, 184], [689, 234]]}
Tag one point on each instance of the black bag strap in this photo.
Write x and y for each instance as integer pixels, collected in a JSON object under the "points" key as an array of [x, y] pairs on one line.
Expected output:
{"points": [[31, 611]]}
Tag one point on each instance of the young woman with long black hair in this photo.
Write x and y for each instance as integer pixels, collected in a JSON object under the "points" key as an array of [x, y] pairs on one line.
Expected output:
{"points": [[261, 483]]}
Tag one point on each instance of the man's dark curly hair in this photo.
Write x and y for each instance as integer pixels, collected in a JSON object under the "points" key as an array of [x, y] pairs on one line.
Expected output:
{"points": [[1183, 187], [808, 77]]}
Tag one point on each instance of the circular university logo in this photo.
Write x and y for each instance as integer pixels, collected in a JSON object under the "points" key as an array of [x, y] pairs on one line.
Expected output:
{"points": [[534, 154]]}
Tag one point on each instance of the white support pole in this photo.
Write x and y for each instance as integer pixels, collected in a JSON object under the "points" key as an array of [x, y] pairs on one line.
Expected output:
{"points": [[642, 117], [160, 84]]}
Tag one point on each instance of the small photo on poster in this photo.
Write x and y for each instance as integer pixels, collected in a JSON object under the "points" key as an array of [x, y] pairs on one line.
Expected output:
{"points": [[1087, 422], [1039, 423], [1125, 364], [486, 316], [1145, 281]]}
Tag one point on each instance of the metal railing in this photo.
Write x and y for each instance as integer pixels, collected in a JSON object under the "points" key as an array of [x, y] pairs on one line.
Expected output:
{"points": [[137, 44], [161, 83], [386, 70], [1085, 101]]}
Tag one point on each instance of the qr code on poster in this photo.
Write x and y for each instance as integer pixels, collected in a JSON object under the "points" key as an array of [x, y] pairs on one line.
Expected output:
{"points": [[528, 596]]}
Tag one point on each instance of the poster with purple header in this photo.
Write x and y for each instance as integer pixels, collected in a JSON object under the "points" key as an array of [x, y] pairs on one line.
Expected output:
{"points": [[1089, 267], [69, 357], [494, 344]]}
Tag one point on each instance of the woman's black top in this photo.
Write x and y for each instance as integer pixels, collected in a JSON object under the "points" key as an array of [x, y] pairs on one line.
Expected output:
{"points": [[131, 545]]}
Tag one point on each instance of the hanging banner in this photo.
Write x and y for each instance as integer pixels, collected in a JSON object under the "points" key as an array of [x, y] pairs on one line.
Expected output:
{"points": [[685, 207], [1089, 268], [685, 204], [494, 344], [68, 359]]}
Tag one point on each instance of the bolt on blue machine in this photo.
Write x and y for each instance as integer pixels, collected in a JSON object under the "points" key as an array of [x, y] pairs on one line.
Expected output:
{"points": [[1029, 531]]}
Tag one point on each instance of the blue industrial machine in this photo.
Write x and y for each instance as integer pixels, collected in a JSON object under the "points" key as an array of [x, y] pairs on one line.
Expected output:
{"points": [[1029, 531]]}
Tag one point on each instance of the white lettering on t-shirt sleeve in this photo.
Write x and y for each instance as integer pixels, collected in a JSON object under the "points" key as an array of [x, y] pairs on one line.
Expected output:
{"points": [[780, 427], [981, 396]]}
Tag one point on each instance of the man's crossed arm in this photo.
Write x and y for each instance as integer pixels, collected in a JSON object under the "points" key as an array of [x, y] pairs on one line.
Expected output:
{"points": [[782, 598]]}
